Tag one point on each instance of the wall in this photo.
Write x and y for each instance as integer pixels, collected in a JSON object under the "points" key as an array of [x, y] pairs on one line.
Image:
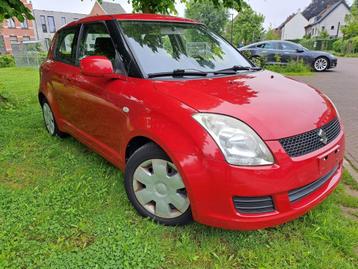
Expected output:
{"points": [[46, 37], [294, 28], [333, 20]]}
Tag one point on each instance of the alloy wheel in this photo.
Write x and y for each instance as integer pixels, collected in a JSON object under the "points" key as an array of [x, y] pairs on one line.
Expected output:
{"points": [[321, 64]]}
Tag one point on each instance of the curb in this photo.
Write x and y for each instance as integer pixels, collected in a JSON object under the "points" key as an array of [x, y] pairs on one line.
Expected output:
{"points": [[347, 165]]}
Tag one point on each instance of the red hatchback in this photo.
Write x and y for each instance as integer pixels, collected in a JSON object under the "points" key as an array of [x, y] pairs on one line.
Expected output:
{"points": [[200, 132]]}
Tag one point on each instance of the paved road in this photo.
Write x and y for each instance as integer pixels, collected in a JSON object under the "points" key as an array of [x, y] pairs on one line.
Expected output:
{"points": [[341, 85]]}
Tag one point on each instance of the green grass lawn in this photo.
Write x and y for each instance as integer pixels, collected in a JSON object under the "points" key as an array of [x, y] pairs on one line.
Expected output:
{"points": [[63, 206]]}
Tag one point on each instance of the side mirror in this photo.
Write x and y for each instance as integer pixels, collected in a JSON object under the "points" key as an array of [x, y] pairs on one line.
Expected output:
{"points": [[96, 66], [300, 50]]}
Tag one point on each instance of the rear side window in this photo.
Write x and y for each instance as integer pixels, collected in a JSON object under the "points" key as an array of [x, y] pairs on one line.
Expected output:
{"points": [[66, 46]]}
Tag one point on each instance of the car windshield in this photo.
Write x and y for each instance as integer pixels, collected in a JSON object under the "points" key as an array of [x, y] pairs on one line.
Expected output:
{"points": [[166, 47]]}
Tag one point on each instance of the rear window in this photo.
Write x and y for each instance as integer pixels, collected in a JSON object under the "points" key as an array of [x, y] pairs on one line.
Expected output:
{"points": [[66, 46]]}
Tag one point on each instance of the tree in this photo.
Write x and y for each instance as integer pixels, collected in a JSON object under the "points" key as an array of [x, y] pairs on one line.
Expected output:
{"points": [[272, 34], [206, 12], [168, 6], [14, 8], [351, 28], [248, 26]]}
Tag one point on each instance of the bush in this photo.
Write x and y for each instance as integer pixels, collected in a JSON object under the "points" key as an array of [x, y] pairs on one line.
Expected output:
{"points": [[338, 45], [7, 61], [293, 67], [345, 47]]}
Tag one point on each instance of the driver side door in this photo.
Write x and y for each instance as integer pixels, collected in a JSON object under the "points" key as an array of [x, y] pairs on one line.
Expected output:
{"points": [[98, 120]]}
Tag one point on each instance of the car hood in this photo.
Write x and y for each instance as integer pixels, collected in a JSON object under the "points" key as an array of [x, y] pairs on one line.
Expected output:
{"points": [[273, 105]]}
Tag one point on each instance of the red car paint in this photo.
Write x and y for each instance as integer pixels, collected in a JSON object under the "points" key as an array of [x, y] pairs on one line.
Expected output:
{"points": [[92, 110]]}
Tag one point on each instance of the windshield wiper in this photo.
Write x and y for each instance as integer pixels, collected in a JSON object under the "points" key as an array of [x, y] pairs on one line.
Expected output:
{"points": [[235, 68], [178, 73]]}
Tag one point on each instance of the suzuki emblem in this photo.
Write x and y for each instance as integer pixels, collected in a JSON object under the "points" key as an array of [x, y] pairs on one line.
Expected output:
{"points": [[322, 134]]}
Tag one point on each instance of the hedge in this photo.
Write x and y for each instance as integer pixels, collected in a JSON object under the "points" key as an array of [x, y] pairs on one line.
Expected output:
{"points": [[7, 61]]}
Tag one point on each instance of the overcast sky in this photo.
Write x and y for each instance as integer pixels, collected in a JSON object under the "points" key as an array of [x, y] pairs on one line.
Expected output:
{"points": [[275, 11]]}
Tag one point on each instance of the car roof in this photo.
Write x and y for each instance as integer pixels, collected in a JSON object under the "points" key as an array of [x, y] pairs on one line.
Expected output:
{"points": [[134, 17]]}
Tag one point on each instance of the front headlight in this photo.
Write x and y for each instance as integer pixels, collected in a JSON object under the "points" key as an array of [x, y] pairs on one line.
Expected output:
{"points": [[237, 141]]}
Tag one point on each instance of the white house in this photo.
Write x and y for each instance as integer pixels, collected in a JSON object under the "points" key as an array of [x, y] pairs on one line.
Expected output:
{"points": [[293, 27], [329, 20], [318, 16]]}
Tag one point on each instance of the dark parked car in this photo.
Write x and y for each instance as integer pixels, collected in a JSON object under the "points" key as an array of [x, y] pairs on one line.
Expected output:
{"points": [[286, 51]]}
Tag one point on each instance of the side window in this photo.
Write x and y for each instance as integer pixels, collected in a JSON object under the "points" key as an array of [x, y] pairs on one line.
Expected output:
{"points": [[288, 46], [268, 46], [96, 41], [66, 46]]}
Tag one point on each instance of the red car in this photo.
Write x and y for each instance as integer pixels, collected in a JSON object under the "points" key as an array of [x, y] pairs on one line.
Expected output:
{"points": [[200, 132]]}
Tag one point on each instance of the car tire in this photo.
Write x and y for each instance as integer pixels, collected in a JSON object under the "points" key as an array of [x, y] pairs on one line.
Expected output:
{"points": [[321, 64], [155, 188], [50, 121]]}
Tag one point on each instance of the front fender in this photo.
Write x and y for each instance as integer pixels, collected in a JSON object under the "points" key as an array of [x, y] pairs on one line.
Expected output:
{"points": [[186, 143]]}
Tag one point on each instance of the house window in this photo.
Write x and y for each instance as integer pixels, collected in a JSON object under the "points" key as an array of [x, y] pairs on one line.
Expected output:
{"points": [[43, 23], [63, 20], [332, 27], [13, 39], [26, 38], [24, 24], [11, 23], [323, 28], [51, 24], [47, 43]]}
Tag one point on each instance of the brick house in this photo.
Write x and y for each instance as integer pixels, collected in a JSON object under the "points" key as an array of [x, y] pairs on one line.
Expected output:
{"points": [[13, 31]]}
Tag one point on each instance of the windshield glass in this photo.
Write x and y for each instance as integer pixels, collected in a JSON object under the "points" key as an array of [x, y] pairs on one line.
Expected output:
{"points": [[166, 46]]}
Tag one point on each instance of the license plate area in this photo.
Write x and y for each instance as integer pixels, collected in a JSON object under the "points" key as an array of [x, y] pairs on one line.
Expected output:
{"points": [[329, 159]]}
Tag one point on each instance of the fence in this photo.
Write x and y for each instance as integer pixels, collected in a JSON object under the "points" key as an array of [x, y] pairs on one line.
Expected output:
{"points": [[28, 53], [318, 44]]}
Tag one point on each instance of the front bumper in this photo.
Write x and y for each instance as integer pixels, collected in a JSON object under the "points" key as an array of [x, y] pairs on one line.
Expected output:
{"points": [[212, 186], [333, 63]]}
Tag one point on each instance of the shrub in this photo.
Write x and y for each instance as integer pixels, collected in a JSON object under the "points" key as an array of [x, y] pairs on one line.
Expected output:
{"points": [[338, 45], [348, 46], [297, 67], [7, 61]]}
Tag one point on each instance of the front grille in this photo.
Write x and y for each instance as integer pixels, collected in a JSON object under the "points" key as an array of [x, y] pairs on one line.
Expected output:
{"points": [[254, 205], [305, 143], [298, 194]]}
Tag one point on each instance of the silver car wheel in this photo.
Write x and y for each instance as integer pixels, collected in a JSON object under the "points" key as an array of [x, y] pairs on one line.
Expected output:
{"points": [[159, 188], [49, 119], [321, 64]]}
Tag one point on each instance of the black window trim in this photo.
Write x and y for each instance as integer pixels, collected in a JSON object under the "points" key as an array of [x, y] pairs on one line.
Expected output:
{"points": [[55, 57]]}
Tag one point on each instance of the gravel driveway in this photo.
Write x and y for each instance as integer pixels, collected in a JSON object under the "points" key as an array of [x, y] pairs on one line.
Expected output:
{"points": [[341, 85]]}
